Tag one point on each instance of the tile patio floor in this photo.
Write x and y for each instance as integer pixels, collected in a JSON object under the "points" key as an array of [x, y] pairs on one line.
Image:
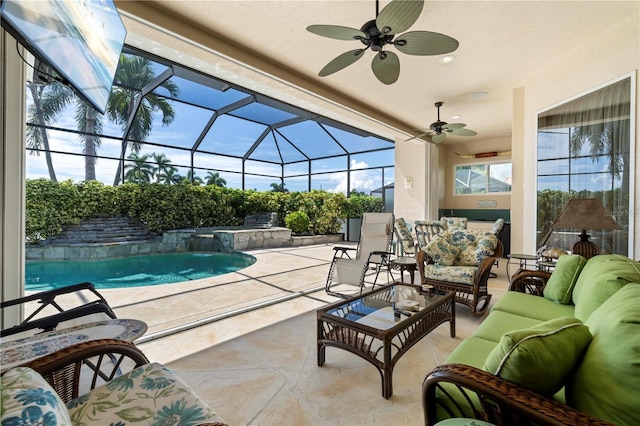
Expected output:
{"points": [[260, 367]]}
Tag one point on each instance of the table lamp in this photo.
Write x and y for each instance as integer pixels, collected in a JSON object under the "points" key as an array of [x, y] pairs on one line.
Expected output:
{"points": [[583, 214]]}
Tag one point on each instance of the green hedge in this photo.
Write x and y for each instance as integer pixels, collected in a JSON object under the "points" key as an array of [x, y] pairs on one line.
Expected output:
{"points": [[50, 205]]}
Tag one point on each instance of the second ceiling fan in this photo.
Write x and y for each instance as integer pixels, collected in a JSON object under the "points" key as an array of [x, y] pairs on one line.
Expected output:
{"points": [[395, 18], [437, 131]]}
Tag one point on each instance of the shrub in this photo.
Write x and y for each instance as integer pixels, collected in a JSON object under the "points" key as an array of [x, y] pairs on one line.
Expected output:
{"points": [[298, 222]]}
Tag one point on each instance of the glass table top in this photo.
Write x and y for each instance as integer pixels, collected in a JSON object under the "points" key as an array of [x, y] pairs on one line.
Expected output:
{"points": [[385, 308]]}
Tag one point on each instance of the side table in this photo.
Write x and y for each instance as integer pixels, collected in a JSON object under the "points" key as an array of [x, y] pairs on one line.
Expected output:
{"points": [[522, 261], [19, 351], [405, 263]]}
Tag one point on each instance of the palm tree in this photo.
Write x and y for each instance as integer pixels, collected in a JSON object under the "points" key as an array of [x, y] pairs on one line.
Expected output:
{"points": [[136, 72], [89, 124], [192, 179], [163, 166], [48, 101], [140, 171], [278, 187], [169, 177], [214, 178]]}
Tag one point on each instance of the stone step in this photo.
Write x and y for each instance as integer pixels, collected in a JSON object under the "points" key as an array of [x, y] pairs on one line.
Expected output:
{"points": [[103, 230]]}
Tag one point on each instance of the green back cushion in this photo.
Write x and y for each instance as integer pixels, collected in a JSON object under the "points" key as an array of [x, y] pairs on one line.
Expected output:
{"points": [[28, 399], [540, 358], [560, 285], [607, 381], [600, 278]]}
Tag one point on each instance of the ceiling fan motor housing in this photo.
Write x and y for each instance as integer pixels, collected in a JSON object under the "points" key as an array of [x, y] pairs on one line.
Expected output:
{"points": [[375, 39]]}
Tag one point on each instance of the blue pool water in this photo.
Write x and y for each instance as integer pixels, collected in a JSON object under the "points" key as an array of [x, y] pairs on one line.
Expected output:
{"points": [[132, 271]]}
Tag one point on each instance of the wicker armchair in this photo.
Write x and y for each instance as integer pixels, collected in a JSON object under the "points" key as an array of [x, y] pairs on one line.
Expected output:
{"points": [[493, 399], [105, 382], [474, 292]]}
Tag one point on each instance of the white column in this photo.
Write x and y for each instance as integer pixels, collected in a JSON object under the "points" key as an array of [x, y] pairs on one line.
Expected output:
{"points": [[12, 175]]}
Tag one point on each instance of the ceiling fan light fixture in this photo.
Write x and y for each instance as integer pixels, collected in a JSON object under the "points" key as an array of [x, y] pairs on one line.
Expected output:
{"points": [[447, 59]]}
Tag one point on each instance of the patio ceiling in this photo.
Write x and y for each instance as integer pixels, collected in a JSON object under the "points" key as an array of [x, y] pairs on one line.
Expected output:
{"points": [[502, 44]]}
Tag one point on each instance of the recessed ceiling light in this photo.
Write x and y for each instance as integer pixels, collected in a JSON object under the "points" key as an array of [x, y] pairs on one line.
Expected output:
{"points": [[455, 117], [447, 59], [478, 95]]}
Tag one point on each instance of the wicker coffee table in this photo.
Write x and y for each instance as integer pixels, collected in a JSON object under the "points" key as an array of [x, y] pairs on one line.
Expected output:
{"points": [[380, 326]]}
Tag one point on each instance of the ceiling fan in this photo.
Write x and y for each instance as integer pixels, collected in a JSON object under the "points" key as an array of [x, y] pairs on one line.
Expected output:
{"points": [[438, 130], [395, 18]]}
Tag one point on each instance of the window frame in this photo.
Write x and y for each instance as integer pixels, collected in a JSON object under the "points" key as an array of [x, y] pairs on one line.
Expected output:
{"points": [[488, 165]]}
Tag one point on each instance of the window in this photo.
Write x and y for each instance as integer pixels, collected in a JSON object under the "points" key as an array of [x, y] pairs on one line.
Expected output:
{"points": [[483, 178], [584, 151]]}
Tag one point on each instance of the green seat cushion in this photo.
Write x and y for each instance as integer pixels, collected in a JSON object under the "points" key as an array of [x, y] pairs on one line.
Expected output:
{"points": [[540, 358], [607, 381], [531, 306], [499, 323], [600, 278], [471, 351], [560, 285]]}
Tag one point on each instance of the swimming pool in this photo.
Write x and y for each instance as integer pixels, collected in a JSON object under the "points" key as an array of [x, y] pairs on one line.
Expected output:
{"points": [[132, 271]]}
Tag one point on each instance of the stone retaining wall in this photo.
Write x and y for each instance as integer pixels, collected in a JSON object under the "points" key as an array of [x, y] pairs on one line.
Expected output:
{"points": [[183, 240]]}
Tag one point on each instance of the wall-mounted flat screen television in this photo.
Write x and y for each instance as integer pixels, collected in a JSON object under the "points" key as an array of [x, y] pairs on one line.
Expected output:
{"points": [[80, 39]]}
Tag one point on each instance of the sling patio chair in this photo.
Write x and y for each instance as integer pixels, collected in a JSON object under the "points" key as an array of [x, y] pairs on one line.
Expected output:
{"points": [[347, 273]]}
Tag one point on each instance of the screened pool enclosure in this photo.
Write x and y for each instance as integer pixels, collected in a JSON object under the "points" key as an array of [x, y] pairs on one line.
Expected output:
{"points": [[166, 123]]}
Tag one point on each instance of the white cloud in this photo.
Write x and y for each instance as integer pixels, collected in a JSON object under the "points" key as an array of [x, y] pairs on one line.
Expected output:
{"points": [[363, 180]]}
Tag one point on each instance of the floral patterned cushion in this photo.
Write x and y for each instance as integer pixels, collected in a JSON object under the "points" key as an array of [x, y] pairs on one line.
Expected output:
{"points": [[404, 236], [452, 274], [442, 251], [28, 399], [451, 223], [474, 246], [151, 395]]}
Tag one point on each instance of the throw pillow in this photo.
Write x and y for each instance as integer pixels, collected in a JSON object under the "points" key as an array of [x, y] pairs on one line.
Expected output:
{"points": [[442, 251], [540, 358], [28, 399], [605, 385], [560, 285]]}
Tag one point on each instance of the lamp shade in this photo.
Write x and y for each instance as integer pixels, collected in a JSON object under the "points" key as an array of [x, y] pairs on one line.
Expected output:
{"points": [[585, 213]]}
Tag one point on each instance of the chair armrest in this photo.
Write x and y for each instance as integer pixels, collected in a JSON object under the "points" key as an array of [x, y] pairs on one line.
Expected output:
{"points": [[343, 251], [530, 281], [87, 365], [493, 399], [47, 299]]}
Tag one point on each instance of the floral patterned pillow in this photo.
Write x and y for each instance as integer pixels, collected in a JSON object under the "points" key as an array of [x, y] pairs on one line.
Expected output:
{"points": [[442, 251], [28, 399]]}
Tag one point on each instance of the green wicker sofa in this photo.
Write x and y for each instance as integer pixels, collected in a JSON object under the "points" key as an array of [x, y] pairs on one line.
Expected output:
{"points": [[561, 348]]}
